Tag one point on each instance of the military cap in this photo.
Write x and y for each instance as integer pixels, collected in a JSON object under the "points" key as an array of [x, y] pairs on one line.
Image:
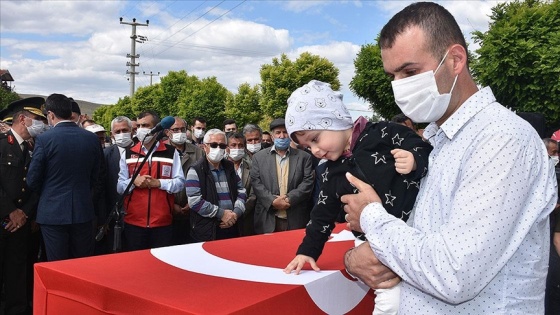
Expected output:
{"points": [[34, 105]]}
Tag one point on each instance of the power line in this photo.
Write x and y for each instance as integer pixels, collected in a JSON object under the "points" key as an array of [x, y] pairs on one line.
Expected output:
{"points": [[217, 49], [203, 26], [198, 18]]}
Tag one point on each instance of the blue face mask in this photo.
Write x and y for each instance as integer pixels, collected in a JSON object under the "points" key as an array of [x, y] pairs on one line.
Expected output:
{"points": [[281, 143]]}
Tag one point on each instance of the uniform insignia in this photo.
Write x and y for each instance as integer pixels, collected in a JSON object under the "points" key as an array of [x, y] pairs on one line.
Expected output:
{"points": [[11, 139]]}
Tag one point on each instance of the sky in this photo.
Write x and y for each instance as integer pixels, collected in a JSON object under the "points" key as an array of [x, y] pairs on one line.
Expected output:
{"points": [[79, 48]]}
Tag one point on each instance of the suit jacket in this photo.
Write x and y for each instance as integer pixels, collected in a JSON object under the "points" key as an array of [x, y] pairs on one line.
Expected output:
{"points": [[112, 157], [189, 156], [64, 170], [14, 193], [265, 186], [246, 224]]}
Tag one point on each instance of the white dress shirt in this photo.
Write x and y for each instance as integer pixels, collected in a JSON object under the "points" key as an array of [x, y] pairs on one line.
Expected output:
{"points": [[172, 185], [479, 238]]}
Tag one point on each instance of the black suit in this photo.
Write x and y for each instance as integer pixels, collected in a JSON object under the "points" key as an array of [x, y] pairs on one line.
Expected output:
{"points": [[14, 194], [110, 196]]}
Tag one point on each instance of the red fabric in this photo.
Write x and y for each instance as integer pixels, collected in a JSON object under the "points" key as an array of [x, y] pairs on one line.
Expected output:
{"points": [[138, 283], [145, 204]]}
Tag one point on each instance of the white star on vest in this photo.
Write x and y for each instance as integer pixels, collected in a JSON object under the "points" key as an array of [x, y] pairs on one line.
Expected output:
{"points": [[325, 174], [377, 158], [410, 183], [322, 198], [390, 198], [397, 139], [383, 133]]}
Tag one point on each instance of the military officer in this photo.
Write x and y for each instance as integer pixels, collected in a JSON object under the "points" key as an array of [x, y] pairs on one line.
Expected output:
{"points": [[17, 202]]}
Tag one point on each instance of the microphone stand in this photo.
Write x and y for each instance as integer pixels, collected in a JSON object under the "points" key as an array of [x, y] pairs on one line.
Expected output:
{"points": [[117, 212]]}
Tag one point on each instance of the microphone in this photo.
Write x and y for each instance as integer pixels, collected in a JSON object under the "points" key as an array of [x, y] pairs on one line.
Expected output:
{"points": [[165, 123]]}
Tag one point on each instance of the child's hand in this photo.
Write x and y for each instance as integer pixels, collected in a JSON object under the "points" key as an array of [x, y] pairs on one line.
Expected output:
{"points": [[404, 161], [299, 262]]}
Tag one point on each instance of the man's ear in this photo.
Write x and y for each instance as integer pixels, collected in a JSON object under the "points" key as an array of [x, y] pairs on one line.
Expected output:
{"points": [[459, 55]]}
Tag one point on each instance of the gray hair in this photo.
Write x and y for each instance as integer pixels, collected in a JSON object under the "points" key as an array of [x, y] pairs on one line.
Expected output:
{"points": [[251, 128], [548, 141], [120, 119], [212, 132]]}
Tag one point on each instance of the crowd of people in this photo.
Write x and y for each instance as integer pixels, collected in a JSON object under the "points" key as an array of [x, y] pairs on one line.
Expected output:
{"points": [[453, 219]]}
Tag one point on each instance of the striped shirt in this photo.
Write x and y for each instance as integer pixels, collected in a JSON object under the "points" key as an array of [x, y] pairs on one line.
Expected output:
{"points": [[207, 209]]}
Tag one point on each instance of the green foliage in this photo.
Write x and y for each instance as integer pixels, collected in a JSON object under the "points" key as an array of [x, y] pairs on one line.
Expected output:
{"points": [[6, 97], [519, 56], [283, 76], [149, 98], [104, 114], [244, 106], [372, 84], [178, 94], [205, 98]]}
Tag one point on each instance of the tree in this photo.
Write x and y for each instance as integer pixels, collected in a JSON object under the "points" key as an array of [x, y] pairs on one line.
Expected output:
{"points": [[204, 98], [519, 56], [150, 98], [6, 97], [104, 114], [244, 106], [283, 77], [372, 84]]}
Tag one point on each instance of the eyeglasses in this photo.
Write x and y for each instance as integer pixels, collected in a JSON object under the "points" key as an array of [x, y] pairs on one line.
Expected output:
{"points": [[214, 145], [176, 130]]}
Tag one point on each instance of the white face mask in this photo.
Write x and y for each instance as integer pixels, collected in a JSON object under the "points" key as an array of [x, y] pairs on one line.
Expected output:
{"points": [[198, 133], [555, 159], [37, 127], [236, 154], [123, 140], [216, 154], [179, 138], [142, 135], [418, 96], [253, 147]]}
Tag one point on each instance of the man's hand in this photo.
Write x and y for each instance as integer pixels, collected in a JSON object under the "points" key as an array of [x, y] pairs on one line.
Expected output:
{"points": [[355, 203], [228, 219], [404, 161], [154, 183], [142, 181], [17, 220], [177, 209], [362, 263], [281, 203], [556, 240], [298, 262]]}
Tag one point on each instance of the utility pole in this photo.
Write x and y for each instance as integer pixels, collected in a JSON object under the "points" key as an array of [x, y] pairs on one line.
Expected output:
{"points": [[151, 75], [132, 63]]}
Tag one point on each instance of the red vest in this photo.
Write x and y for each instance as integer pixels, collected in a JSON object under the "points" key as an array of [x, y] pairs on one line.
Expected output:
{"points": [[150, 207]]}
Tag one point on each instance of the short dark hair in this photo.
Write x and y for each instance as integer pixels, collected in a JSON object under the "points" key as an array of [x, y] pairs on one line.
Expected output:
{"points": [[266, 133], [235, 135], [438, 24], [202, 120], [60, 105], [400, 118], [151, 113], [75, 107], [229, 121]]}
